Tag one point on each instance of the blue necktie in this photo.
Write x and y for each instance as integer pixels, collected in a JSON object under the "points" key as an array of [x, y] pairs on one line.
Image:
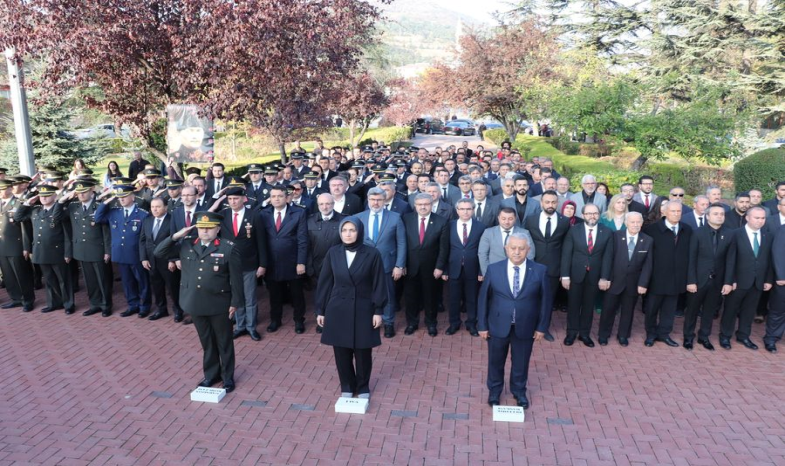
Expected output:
{"points": [[516, 281], [755, 244], [631, 247], [375, 227]]}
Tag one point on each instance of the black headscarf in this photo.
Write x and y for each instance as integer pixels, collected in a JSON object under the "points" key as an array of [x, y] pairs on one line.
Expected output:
{"points": [[360, 233]]}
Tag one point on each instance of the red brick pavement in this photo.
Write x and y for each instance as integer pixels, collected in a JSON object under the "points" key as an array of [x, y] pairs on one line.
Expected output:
{"points": [[91, 390]]}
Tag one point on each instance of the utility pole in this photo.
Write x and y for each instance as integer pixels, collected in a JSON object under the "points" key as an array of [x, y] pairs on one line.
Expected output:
{"points": [[24, 141]]}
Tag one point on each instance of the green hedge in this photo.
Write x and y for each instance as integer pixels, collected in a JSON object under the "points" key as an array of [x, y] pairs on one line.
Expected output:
{"points": [[760, 170]]}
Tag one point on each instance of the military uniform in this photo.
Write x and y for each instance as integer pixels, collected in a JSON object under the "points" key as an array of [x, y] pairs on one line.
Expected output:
{"points": [[17, 272], [212, 281]]}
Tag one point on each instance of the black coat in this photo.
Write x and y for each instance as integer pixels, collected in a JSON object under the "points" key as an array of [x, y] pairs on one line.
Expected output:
{"points": [[289, 246], [742, 267], [464, 258], [348, 298], [147, 243], [627, 275], [733, 220], [251, 239], [321, 237], [576, 258], [704, 261], [548, 251], [671, 258], [433, 253], [353, 204]]}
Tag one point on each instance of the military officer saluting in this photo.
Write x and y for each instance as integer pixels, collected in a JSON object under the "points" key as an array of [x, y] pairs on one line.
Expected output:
{"points": [[125, 226], [211, 290], [14, 252], [155, 186], [255, 188], [174, 189], [51, 250], [91, 245]]}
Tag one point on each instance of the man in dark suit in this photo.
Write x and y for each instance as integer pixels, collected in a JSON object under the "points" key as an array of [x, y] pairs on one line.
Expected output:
{"points": [[779, 195], [394, 203], [631, 270], [323, 234], [586, 259], [524, 207], [287, 254], [163, 272], [696, 218], [485, 208], [706, 275], [216, 182], [463, 267], [428, 247], [548, 230], [211, 293], [14, 251], [645, 195], [747, 274], [628, 191], [777, 218], [311, 188], [345, 203], [775, 323], [737, 217], [439, 206], [136, 166], [513, 311], [243, 227], [669, 273]]}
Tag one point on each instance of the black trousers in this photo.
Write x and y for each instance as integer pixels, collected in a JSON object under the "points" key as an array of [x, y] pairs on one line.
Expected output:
{"points": [[354, 369], [555, 287], [623, 303], [18, 278], [421, 290], [702, 303], [162, 279], [215, 334], [277, 290], [464, 289], [580, 306], [741, 305], [98, 281], [521, 349], [775, 322], [57, 280], [660, 312]]}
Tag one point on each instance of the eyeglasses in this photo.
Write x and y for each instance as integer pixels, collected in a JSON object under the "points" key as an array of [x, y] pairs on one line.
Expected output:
{"points": [[298, 189], [677, 195], [587, 214]]}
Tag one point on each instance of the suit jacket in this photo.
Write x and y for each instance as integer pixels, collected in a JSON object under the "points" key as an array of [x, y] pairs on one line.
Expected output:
{"points": [[90, 241], [321, 237], [251, 238], [690, 221], [742, 267], [532, 208], [635, 206], [491, 248], [639, 198], [562, 199], [771, 204], [306, 203], [578, 263], [628, 274], [453, 193], [446, 210], [733, 220], [148, 242], [391, 242], [400, 207], [289, 246], [353, 204], [433, 252], [490, 212], [671, 258], [548, 251], [599, 200], [456, 195], [532, 306], [778, 255], [464, 259], [705, 262], [210, 188], [773, 223]]}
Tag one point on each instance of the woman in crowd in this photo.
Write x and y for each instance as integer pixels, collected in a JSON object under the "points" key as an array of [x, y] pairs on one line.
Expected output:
{"points": [[112, 171], [613, 218], [568, 210]]}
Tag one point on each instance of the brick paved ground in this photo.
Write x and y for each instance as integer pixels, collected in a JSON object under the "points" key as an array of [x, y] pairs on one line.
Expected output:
{"points": [[93, 390]]}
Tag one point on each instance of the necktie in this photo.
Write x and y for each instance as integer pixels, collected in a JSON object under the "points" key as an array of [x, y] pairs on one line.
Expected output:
{"points": [[516, 283], [548, 228], [444, 190], [310, 193], [700, 221], [479, 210], [126, 215], [84, 208], [234, 224], [188, 218], [156, 227], [278, 222], [506, 236], [630, 247], [466, 196], [256, 187], [422, 229], [755, 244], [714, 240], [217, 186], [591, 241], [465, 235], [675, 235], [375, 227], [646, 201], [674, 229]]}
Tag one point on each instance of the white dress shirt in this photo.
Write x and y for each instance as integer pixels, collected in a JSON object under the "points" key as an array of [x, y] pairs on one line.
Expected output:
{"points": [[751, 237], [511, 274], [240, 216], [340, 204], [419, 221], [276, 212], [593, 233], [459, 226], [698, 217]]}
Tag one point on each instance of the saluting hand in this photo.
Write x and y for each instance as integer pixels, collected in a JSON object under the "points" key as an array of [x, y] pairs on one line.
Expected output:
{"points": [[181, 234]]}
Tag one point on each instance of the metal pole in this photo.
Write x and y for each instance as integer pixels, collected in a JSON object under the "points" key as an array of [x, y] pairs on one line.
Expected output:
{"points": [[24, 141]]}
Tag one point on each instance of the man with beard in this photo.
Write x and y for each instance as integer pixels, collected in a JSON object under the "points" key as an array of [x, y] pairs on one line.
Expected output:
{"points": [[628, 191], [520, 202], [737, 217], [588, 195]]}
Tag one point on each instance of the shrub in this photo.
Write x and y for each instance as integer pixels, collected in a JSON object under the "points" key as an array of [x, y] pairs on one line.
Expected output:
{"points": [[760, 170]]}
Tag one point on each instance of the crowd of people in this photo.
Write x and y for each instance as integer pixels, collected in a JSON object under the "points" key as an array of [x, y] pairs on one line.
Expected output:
{"points": [[373, 231]]}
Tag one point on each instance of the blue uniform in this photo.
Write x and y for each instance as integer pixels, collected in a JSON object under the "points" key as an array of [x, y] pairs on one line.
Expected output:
{"points": [[125, 252]]}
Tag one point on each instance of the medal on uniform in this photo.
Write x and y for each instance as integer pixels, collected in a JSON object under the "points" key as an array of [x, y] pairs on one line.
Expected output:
{"points": [[133, 227], [51, 225], [216, 268], [248, 230], [92, 224]]}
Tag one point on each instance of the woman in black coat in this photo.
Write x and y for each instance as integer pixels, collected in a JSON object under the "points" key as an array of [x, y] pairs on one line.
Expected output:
{"points": [[350, 297]]}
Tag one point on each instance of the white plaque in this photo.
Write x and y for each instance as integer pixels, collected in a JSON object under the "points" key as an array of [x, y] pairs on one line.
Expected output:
{"points": [[208, 395], [351, 405], [508, 413]]}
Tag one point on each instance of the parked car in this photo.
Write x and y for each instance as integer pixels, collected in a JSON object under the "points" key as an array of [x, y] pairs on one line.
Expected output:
{"points": [[429, 126], [459, 128], [106, 130]]}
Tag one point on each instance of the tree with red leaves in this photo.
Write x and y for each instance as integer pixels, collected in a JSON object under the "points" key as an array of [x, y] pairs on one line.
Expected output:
{"points": [[358, 100]]}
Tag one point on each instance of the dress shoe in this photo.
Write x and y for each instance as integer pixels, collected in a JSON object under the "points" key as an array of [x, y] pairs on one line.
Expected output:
{"points": [[706, 344], [523, 402], [624, 341], [106, 313], [493, 401], [725, 343], [299, 328], [70, 310], [549, 337], [410, 329], [771, 347], [318, 329], [649, 342], [229, 386], [209, 382], [187, 320], [274, 326], [178, 317], [748, 343], [603, 341], [587, 341], [389, 331], [451, 330], [679, 313], [129, 312], [143, 314], [91, 311], [255, 335], [27, 308], [473, 331], [238, 333], [758, 319], [11, 305], [48, 309], [432, 331], [157, 315], [688, 344], [569, 340], [668, 341]]}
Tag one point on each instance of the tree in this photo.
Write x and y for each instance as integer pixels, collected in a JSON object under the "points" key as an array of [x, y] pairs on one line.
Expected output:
{"points": [[404, 104], [358, 101]]}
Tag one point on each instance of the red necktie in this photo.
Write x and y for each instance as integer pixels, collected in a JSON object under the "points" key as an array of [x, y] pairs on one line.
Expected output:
{"points": [[234, 224], [422, 229], [278, 222], [465, 235], [647, 201], [591, 241], [188, 218]]}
